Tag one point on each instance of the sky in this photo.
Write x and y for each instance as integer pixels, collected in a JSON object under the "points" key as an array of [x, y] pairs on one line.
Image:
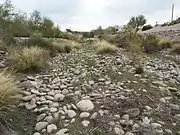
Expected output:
{"points": [[84, 15]]}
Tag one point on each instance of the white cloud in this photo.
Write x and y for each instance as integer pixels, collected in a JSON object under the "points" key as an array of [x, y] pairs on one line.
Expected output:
{"points": [[89, 14]]}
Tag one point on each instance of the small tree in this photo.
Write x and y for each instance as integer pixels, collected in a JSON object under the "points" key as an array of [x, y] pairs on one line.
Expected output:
{"points": [[137, 22]]}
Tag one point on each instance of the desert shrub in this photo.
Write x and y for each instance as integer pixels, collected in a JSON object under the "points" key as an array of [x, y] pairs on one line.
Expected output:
{"points": [[8, 39], [40, 42], [105, 47], [175, 22], [164, 43], [8, 91], [139, 70], [28, 59], [165, 24], [146, 27], [150, 44], [176, 48], [8, 97]]}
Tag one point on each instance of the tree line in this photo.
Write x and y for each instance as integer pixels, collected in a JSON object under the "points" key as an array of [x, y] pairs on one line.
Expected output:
{"points": [[18, 24]]}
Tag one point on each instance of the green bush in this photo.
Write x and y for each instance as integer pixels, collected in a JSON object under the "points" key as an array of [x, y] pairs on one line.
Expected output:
{"points": [[139, 70]]}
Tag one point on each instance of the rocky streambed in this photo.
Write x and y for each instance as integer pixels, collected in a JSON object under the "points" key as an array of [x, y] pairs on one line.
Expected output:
{"points": [[86, 93]]}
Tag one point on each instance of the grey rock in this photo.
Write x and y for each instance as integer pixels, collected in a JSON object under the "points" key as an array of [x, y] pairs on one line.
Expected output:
{"points": [[125, 117], [168, 132], [156, 125], [65, 92], [2, 65], [28, 98], [40, 126], [49, 119], [133, 112], [85, 105], [71, 113], [177, 116], [73, 120], [117, 116], [51, 128], [84, 115], [37, 133], [41, 117], [174, 107], [129, 133], [63, 131], [56, 117], [85, 123], [30, 106], [118, 131], [148, 108], [94, 116], [54, 104], [53, 109], [162, 100], [59, 97]]}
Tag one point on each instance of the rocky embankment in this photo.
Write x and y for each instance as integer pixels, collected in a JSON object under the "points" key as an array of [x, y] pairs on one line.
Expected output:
{"points": [[172, 32], [84, 91]]}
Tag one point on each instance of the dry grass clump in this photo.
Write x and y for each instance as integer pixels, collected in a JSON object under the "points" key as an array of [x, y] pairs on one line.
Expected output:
{"points": [[105, 47], [165, 43], [176, 48], [28, 58], [8, 91]]}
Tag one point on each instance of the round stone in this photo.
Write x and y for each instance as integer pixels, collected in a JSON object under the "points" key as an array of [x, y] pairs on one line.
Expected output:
{"points": [[162, 100], [85, 105], [40, 126], [59, 97], [94, 116], [41, 117], [168, 131], [85, 123], [36, 133], [63, 131], [53, 109], [174, 107], [118, 131], [71, 113], [84, 115], [51, 128]]}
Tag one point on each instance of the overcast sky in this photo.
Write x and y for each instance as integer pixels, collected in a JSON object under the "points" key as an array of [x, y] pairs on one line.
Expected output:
{"points": [[89, 14]]}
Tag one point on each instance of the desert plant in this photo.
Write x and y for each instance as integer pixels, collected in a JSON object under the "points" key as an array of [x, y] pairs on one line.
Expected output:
{"points": [[146, 27], [28, 58], [8, 97], [139, 70], [137, 22], [105, 47], [176, 48], [8, 91], [164, 43], [87, 131], [150, 44], [40, 42]]}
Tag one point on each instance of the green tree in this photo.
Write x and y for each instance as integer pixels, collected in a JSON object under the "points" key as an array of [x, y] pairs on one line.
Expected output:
{"points": [[137, 22]]}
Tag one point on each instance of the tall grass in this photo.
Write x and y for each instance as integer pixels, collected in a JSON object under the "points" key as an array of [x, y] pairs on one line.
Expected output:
{"points": [[8, 97], [8, 91], [28, 59], [105, 47], [176, 48]]}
